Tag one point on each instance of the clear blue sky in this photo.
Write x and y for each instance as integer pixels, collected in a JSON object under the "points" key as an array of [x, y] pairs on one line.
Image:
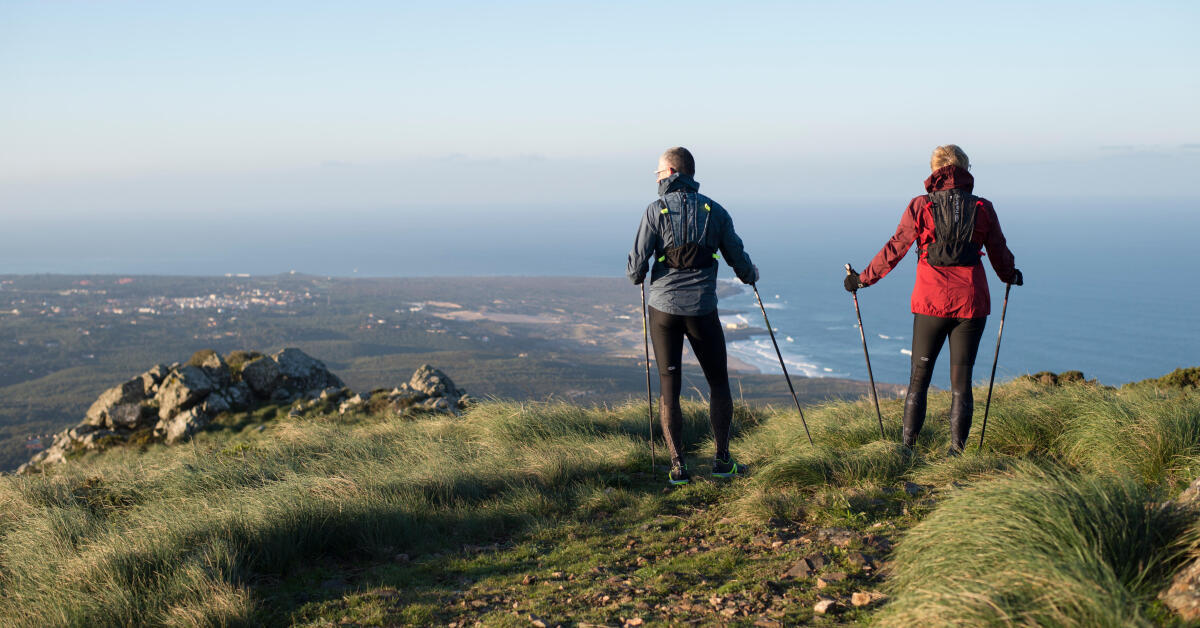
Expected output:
{"points": [[270, 106]]}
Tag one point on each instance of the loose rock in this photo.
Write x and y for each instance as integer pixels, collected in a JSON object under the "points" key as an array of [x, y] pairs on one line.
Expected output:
{"points": [[826, 606], [866, 598]]}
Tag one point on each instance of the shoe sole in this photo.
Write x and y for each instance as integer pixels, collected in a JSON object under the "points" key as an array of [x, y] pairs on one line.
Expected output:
{"points": [[732, 473]]}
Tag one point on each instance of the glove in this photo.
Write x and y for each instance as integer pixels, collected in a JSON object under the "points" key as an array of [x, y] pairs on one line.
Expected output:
{"points": [[853, 282], [1017, 278], [754, 277]]}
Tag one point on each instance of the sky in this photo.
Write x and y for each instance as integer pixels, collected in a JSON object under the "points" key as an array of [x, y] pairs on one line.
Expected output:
{"points": [[257, 108]]}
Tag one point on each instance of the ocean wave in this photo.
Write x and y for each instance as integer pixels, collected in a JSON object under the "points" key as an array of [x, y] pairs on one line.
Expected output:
{"points": [[760, 353]]}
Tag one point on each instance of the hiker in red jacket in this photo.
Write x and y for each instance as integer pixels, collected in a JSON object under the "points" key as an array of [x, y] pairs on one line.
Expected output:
{"points": [[950, 298]]}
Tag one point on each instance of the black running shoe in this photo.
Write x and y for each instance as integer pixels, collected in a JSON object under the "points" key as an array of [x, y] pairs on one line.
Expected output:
{"points": [[678, 475], [727, 468]]}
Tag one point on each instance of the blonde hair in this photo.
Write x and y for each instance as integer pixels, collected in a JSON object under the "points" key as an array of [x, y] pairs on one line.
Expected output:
{"points": [[949, 155]]}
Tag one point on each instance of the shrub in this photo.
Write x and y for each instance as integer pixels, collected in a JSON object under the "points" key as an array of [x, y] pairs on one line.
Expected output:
{"points": [[1179, 378], [198, 358], [238, 359]]}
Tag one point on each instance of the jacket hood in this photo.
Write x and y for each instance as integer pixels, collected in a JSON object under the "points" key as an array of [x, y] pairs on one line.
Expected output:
{"points": [[948, 178], [678, 182]]}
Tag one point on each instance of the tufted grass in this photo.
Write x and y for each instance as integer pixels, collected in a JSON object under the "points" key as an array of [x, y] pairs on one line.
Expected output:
{"points": [[193, 535]]}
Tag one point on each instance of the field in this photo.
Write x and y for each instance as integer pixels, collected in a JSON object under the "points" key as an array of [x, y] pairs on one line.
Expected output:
{"points": [[520, 514]]}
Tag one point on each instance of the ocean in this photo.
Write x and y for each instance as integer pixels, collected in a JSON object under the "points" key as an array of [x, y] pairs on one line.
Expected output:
{"points": [[1109, 286]]}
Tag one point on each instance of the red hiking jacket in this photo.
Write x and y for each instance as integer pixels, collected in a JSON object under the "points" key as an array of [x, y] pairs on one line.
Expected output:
{"points": [[945, 291]]}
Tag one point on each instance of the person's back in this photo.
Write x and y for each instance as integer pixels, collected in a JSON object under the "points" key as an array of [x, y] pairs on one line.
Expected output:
{"points": [[684, 234], [683, 216], [950, 299]]}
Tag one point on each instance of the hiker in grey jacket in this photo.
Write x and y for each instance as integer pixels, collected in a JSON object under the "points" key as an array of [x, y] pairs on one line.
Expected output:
{"points": [[685, 234]]}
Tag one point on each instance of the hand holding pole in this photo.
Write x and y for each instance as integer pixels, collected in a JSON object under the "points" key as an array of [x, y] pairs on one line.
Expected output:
{"points": [[871, 375]]}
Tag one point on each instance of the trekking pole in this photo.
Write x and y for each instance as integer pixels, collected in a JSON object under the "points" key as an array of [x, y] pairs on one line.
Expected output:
{"points": [[781, 364], [649, 398], [862, 334], [995, 359]]}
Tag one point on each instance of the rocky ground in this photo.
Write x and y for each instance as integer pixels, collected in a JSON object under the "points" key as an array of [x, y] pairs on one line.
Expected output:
{"points": [[690, 564]]}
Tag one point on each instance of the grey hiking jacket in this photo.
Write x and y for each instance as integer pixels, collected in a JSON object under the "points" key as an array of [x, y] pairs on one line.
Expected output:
{"points": [[690, 217]]}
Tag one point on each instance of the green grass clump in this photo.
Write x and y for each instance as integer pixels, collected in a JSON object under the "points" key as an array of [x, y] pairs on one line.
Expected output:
{"points": [[1036, 548]]}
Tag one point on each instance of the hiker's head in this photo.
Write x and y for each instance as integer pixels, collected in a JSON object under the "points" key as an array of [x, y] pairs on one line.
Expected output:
{"points": [[949, 155], [677, 159]]}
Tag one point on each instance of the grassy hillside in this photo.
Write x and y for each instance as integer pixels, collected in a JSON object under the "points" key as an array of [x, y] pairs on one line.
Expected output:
{"points": [[528, 514]]}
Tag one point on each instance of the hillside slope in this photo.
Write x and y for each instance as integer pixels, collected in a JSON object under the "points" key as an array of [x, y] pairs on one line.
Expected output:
{"points": [[541, 514]]}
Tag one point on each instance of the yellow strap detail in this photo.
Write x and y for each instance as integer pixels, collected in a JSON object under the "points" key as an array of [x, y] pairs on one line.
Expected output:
{"points": [[663, 258], [707, 208], [664, 210]]}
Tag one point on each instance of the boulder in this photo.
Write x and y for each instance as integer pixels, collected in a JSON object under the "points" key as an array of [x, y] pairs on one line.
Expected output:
{"points": [[131, 391], [54, 455], [433, 382], [182, 389], [215, 404], [301, 372], [239, 395], [262, 376], [128, 416], [437, 404], [355, 401], [90, 441], [182, 425], [1183, 596], [79, 431], [215, 368], [404, 397], [1190, 497], [152, 378]]}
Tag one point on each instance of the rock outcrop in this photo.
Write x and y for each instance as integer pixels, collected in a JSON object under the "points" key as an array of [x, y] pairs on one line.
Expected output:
{"points": [[429, 390], [1183, 596], [172, 403]]}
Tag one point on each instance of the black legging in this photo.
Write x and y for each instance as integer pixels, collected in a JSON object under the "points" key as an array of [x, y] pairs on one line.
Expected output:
{"points": [[929, 334], [708, 343]]}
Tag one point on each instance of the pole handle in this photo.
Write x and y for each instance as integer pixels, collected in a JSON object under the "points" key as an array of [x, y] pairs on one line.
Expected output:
{"points": [[849, 269]]}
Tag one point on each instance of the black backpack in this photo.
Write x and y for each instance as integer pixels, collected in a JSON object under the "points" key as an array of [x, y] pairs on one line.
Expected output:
{"points": [[954, 225], [690, 255]]}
